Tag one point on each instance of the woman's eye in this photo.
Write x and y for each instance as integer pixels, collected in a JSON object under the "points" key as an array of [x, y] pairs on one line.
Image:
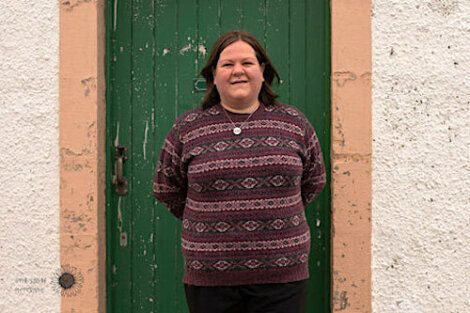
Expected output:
{"points": [[226, 65], [247, 63]]}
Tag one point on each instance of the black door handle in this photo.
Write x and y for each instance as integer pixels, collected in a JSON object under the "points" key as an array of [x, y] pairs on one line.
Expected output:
{"points": [[120, 182]]}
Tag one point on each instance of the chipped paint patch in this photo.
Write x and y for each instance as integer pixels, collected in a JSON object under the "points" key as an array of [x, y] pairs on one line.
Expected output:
{"points": [[166, 51], [119, 215], [153, 117], [70, 4], [122, 235], [202, 50], [89, 84], [341, 78], [123, 239], [144, 145], [116, 139], [340, 301], [185, 48], [115, 15]]}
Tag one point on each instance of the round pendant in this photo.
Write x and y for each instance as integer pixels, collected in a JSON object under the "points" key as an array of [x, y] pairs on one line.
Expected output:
{"points": [[237, 130]]}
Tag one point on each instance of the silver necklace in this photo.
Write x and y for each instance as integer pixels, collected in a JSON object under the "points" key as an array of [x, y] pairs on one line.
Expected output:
{"points": [[237, 130]]}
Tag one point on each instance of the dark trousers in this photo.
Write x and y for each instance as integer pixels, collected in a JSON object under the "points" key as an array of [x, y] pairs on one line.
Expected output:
{"points": [[262, 298]]}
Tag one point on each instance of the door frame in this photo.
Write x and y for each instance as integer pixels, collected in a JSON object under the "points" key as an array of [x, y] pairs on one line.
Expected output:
{"points": [[82, 127]]}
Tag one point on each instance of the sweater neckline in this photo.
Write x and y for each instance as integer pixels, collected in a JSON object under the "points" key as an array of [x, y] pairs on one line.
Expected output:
{"points": [[235, 114]]}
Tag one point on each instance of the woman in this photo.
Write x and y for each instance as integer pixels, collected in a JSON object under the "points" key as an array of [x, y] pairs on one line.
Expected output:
{"points": [[239, 171]]}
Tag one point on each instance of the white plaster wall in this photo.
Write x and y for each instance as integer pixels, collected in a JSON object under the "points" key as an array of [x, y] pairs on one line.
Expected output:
{"points": [[421, 156], [29, 156]]}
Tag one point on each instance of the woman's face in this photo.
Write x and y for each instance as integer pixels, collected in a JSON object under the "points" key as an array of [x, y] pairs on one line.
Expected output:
{"points": [[238, 76]]}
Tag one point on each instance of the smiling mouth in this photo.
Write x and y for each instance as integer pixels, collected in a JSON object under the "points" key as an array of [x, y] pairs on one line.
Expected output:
{"points": [[239, 82]]}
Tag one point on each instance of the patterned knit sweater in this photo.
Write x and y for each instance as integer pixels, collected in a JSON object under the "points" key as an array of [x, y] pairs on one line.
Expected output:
{"points": [[241, 198]]}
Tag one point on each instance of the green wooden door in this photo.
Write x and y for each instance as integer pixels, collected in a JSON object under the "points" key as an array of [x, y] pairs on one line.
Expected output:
{"points": [[155, 50]]}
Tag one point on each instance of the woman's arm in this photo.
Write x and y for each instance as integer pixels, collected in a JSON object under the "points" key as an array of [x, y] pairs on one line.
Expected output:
{"points": [[313, 176], [170, 182]]}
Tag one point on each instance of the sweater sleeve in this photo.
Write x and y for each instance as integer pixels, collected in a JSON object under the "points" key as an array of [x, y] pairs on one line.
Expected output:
{"points": [[313, 176], [170, 181]]}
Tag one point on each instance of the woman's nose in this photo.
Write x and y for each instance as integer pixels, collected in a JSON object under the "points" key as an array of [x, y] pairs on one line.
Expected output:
{"points": [[237, 69]]}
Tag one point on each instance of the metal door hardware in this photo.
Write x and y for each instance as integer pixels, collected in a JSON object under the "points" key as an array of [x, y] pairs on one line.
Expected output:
{"points": [[120, 182]]}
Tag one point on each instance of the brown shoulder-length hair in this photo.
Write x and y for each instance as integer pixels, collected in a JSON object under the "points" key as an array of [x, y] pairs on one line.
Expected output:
{"points": [[266, 94]]}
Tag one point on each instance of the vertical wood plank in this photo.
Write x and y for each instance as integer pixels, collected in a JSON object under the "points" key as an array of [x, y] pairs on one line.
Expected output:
{"points": [[120, 227], [253, 18], [297, 70], [111, 122], [208, 32], [187, 54], [166, 83], [142, 152], [231, 15], [277, 42], [187, 100], [317, 110]]}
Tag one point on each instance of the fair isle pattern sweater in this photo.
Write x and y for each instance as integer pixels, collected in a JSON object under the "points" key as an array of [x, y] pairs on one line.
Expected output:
{"points": [[241, 198]]}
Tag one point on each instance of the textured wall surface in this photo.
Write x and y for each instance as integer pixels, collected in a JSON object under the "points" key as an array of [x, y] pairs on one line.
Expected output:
{"points": [[29, 166], [421, 156]]}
